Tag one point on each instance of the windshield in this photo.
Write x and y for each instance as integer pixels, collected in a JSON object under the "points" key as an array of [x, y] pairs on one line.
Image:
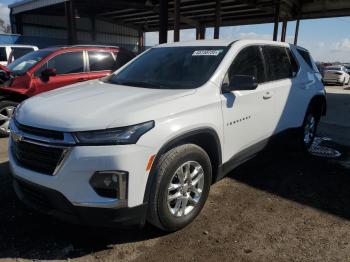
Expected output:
{"points": [[171, 67], [22, 64]]}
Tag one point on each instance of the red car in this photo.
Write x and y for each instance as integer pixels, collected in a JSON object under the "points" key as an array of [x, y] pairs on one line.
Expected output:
{"points": [[51, 68]]}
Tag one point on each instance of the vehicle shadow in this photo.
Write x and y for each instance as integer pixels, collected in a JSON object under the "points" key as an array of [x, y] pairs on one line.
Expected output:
{"points": [[308, 180], [28, 234]]}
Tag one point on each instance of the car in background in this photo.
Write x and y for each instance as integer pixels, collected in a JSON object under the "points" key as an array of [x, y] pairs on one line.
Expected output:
{"points": [[337, 74], [51, 68], [347, 66], [9, 53]]}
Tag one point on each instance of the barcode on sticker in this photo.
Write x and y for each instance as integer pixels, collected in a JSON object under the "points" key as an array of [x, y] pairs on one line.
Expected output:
{"points": [[206, 52]]}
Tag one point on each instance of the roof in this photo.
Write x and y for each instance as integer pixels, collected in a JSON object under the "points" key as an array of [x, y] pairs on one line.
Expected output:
{"points": [[211, 42], [145, 14], [18, 45], [80, 47], [223, 42]]}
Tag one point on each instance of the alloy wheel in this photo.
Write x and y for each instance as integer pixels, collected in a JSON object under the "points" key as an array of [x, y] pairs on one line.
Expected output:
{"points": [[309, 129], [185, 188], [5, 117]]}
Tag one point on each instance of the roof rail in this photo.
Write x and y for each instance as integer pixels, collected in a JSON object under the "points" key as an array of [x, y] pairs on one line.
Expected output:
{"points": [[104, 46]]}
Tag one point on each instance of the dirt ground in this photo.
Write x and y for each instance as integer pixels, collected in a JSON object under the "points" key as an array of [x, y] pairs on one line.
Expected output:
{"points": [[280, 206]]}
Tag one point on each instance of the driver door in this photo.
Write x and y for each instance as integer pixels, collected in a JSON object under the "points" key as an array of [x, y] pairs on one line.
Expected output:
{"points": [[70, 69], [247, 114]]}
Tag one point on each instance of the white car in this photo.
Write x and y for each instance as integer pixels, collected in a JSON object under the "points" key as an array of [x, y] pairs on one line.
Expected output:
{"points": [[10, 52], [147, 142], [336, 75]]}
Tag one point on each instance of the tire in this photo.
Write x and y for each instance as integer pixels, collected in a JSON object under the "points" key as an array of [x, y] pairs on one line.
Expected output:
{"points": [[170, 215], [309, 128], [6, 111]]}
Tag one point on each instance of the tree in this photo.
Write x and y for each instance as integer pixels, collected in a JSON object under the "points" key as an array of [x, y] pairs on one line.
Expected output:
{"points": [[4, 27]]}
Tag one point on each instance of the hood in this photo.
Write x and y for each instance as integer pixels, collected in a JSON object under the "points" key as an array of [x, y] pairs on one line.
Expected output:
{"points": [[96, 105]]}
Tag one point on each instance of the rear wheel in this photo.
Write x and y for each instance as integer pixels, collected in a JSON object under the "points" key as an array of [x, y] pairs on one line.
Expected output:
{"points": [[7, 109], [309, 128], [182, 187]]}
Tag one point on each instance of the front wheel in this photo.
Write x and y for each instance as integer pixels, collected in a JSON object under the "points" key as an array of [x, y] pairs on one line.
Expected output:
{"points": [[309, 129], [7, 109], [182, 187]]}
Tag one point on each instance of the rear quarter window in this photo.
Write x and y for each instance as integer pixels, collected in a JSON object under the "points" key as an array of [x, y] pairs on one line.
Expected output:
{"points": [[308, 59]]}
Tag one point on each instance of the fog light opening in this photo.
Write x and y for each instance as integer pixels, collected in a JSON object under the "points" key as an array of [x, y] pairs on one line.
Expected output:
{"points": [[110, 184]]}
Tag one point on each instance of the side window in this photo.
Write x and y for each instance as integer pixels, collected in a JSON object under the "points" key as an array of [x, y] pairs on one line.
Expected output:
{"points": [[67, 63], [278, 63], [17, 52], [3, 55], [248, 62], [100, 61]]}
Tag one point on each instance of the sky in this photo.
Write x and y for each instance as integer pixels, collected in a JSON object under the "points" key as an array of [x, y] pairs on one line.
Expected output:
{"points": [[326, 39]]}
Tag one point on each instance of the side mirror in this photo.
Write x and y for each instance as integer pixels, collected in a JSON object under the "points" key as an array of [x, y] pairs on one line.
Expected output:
{"points": [[240, 82], [47, 73]]}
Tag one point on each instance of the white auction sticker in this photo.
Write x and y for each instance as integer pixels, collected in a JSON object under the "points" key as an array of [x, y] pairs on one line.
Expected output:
{"points": [[207, 52]]}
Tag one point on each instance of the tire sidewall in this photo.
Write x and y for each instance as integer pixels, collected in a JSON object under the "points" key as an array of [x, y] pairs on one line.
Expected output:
{"points": [[168, 220], [307, 146]]}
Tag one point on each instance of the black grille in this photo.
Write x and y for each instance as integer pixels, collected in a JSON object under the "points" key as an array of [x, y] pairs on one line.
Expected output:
{"points": [[39, 158], [40, 132]]}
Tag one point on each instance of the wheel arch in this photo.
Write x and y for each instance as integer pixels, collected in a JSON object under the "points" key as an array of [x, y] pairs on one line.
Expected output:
{"points": [[319, 103], [206, 138]]}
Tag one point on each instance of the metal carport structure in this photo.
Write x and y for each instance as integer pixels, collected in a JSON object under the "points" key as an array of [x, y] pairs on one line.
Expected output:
{"points": [[134, 17]]}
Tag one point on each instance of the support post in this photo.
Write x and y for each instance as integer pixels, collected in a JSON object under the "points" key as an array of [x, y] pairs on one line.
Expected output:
{"points": [[71, 29], [141, 41], [297, 25], [217, 19], [284, 30], [177, 20], [163, 21], [200, 32], [277, 18]]}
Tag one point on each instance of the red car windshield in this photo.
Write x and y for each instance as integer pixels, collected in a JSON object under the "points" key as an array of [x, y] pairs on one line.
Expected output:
{"points": [[24, 63]]}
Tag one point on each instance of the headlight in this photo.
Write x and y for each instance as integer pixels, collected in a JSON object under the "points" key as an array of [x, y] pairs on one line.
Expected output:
{"points": [[114, 136]]}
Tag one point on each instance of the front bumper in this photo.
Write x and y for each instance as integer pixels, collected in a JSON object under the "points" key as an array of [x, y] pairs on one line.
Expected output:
{"points": [[72, 179], [53, 203]]}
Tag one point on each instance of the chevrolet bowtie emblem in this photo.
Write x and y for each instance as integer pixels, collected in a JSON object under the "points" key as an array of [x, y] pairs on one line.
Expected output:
{"points": [[16, 137]]}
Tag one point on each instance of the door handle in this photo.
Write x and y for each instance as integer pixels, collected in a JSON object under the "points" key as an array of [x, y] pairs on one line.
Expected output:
{"points": [[82, 79], [267, 95]]}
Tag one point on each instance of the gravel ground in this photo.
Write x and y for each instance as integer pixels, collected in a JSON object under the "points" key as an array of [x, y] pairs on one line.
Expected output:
{"points": [[280, 206]]}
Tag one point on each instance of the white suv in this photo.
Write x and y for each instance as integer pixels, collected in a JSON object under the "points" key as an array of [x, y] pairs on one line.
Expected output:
{"points": [[147, 142], [9, 53]]}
